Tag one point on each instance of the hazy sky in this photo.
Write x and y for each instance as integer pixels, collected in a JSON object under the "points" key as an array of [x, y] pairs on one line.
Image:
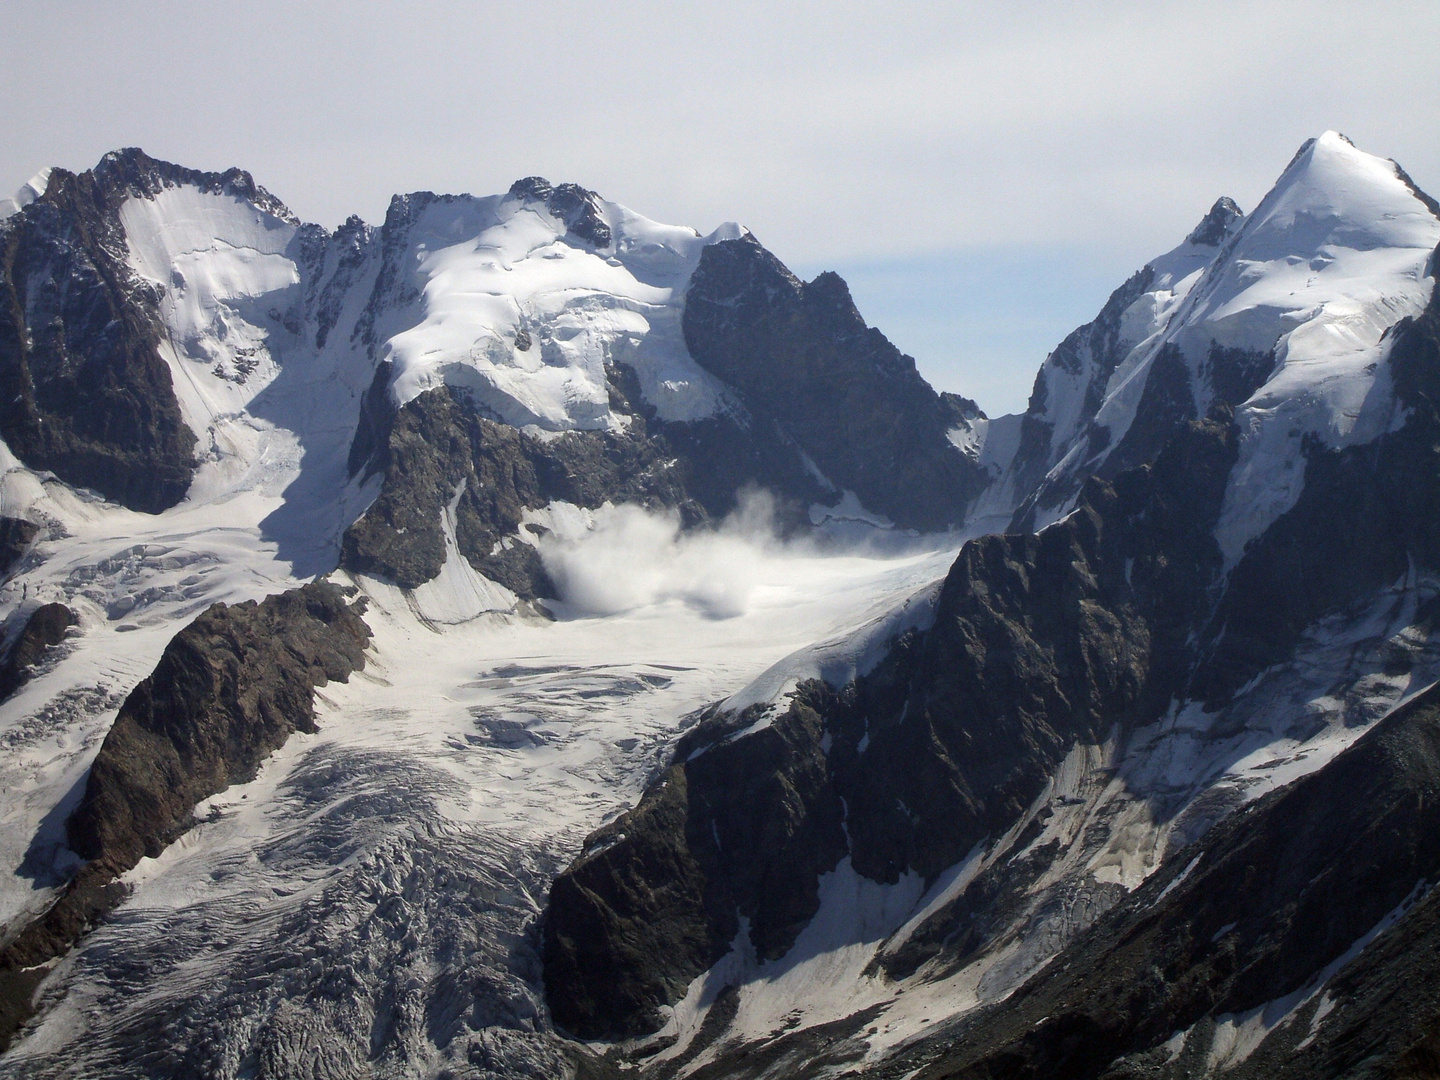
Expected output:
{"points": [[983, 174]]}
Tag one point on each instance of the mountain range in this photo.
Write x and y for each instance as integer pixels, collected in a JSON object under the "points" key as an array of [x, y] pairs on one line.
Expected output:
{"points": [[525, 639]]}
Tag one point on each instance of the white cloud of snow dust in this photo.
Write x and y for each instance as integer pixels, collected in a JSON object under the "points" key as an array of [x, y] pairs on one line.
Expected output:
{"points": [[624, 557]]}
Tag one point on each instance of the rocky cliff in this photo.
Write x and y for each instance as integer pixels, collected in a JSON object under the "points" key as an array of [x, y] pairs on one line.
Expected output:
{"points": [[1040, 642], [228, 691], [802, 358]]}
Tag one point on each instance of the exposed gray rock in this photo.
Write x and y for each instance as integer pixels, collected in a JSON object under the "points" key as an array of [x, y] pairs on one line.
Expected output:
{"points": [[229, 689], [85, 393], [1039, 642], [802, 358], [438, 445], [44, 628], [1244, 917]]}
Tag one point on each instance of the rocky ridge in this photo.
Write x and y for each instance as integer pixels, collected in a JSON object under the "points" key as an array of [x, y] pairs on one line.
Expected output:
{"points": [[230, 689], [86, 394]]}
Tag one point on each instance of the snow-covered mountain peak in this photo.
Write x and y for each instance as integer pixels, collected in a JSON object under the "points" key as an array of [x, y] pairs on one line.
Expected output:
{"points": [[579, 208], [1281, 315], [131, 172], [522, 301], [1335, 197]]}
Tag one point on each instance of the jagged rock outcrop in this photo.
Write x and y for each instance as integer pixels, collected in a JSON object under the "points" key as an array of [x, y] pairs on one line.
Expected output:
{"points": [[803, 358], [44, 628], [1250, 914], [439, 449], [576, 206], [86, 394], [1039, 642], [229, 690], [16, 536]]}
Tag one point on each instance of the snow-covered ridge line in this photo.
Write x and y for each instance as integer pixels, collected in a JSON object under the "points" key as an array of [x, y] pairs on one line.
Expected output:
{"points": [[501, 298], [1281, 314], [512, 299]]}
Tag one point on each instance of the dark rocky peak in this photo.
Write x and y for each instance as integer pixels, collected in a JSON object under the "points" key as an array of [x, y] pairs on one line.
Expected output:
{"points": [[405, 209], [577, 207], [132, 172], [532, 189], [802, 358], [962, 410], [352, 233], [85, 393], [1216, 226], [580, 210], [749, 272]]}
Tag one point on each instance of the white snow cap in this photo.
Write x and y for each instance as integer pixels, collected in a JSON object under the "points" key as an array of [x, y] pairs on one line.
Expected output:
{"points": [[1335, 255], [524, 315], [26, 195]]}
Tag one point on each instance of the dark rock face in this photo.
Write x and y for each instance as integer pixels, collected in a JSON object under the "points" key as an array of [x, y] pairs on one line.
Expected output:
{"points": [[351, 242], [16, 536], [85, 393], [1215, 227], [657, 900], [803, 358], [228, 691], [1366, 516], [1233, 375], [577, 207], [1244, 917], [45, 628], [1039, 642], [1385, 1015], [1166, 403], [438, 449]]}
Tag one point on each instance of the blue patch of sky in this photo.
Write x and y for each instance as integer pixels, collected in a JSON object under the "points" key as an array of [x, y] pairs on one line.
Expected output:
{"points": [[980, 321]]}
